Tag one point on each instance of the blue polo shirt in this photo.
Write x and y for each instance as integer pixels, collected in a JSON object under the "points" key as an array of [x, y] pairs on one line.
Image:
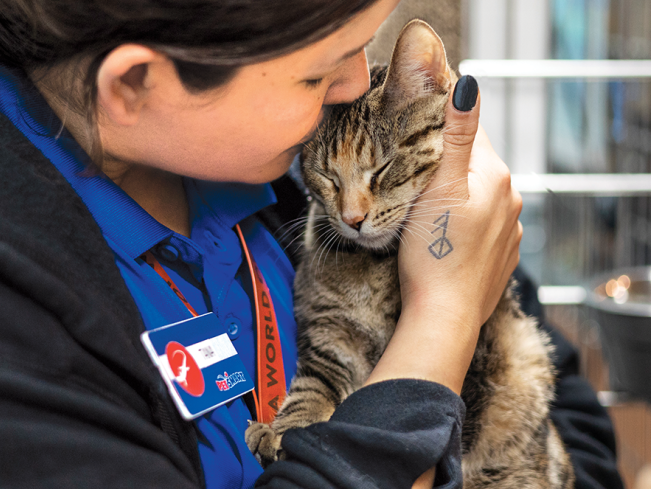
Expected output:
{"points": [[207, 267]]}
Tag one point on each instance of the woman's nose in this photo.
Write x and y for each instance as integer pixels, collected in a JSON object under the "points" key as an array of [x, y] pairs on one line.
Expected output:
{"points": [[352, 82]]}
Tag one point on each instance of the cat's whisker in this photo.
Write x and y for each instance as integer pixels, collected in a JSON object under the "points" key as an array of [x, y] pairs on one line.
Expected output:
{"points": [[326, 249], [291, 230], [440, 200], [426, 225], [419, 208], [292, 241], [300, 235], [435, 205], [401, 206], [323, 225], [419, 227], [426, 206], [401, 239], [426, 238], [331, 244], [422, 203], [317, 250], [322, 247], [432, 213], [431, 219], [294, 223], [443, 185], [415, 234], [337, 253], [393, 219], [297, 237], [397, 235], [449, 127]]}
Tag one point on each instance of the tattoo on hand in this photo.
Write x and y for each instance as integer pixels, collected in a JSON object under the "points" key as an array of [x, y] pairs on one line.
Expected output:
{"points": [[441, 246]]}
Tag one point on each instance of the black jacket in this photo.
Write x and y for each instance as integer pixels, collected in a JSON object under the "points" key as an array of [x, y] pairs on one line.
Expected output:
{"points": [[81, 405]]}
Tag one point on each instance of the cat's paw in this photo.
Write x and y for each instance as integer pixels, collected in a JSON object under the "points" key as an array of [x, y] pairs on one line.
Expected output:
{"points": [[264, 443]]}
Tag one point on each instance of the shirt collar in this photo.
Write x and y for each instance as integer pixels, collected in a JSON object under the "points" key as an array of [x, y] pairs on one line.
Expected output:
{"points": [[229, 203], [119, 217]]}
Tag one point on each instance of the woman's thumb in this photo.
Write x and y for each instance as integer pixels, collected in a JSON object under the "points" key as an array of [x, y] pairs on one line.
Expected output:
{"points": [[461, 123]]}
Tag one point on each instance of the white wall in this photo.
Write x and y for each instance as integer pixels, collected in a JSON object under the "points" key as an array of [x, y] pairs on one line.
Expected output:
{"points": [[513, 111]]}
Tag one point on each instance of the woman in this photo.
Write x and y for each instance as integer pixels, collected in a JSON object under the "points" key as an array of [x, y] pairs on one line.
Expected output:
{"points": [[187, 110]]}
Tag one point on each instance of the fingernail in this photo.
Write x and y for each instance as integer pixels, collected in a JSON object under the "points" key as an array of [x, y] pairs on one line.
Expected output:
{"points": [[465, 93]]}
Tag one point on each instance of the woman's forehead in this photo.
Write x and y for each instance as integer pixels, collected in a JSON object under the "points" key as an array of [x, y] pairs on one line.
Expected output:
{"points": [[349, 40]]}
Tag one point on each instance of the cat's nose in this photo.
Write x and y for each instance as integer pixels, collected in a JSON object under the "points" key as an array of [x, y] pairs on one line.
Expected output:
{"points": [[355, 222]]}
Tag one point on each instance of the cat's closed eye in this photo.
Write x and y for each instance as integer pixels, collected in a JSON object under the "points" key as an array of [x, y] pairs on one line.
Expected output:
{"points": [[333, 179], [373, 182], [375, 176]]}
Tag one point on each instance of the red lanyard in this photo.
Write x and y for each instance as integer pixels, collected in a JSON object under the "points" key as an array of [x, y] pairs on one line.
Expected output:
{"points": [[271, 386]]}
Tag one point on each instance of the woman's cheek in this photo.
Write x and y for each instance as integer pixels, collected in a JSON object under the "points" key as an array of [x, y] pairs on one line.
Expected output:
{"points": [[303, 109]]}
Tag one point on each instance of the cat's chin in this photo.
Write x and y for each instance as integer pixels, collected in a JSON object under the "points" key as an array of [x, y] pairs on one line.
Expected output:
{"points": [[382, 242], [375, 240]]}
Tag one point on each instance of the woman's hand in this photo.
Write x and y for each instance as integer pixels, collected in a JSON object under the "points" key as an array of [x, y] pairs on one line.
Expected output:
{"points": [[469, 216], [458, 251]]}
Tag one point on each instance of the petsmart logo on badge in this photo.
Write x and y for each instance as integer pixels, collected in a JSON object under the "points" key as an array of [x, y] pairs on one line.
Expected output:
{"points": [[225, 382]]}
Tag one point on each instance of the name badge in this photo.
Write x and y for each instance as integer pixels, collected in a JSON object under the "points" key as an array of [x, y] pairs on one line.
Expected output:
{"points": [[202, 371]]}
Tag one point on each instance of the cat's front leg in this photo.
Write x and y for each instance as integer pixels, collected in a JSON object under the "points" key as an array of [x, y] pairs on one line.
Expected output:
{"points": [[324, 379], [263, 442], [308, 401]]}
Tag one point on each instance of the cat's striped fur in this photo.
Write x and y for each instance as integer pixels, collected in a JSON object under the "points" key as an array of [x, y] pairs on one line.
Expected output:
{"points": [[372, 160]]}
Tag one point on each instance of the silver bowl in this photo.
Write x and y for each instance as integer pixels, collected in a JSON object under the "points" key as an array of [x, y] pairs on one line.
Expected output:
{"points": [[622, 302]]}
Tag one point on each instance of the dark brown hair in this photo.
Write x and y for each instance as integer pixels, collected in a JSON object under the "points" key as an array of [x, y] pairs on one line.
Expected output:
{"points": [[208, 40]]}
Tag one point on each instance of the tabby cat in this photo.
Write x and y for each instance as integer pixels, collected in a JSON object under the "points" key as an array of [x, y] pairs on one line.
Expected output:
{"points": [[370, 162]]}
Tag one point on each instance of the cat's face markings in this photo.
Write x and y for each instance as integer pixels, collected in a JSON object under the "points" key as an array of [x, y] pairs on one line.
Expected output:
{"points": [[376, 156], [354, 200]]}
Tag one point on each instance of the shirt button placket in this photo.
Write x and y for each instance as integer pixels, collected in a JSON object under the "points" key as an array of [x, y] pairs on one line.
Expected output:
{"points": [[168, 252], [233, 327]]}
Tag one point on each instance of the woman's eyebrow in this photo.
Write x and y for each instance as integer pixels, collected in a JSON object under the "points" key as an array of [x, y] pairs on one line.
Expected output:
{"points": [[349, 54], [354, 52]]}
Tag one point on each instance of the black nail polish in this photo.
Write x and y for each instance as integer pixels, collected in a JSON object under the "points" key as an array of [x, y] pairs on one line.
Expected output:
{"points": [[465, 93]]}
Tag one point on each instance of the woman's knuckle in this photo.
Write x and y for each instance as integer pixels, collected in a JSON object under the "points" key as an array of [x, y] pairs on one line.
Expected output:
{"points": [[504, 176], [460, 139], [517, 200]]}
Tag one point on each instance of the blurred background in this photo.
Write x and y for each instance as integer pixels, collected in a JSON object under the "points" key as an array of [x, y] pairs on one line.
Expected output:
{"points": [[579, 146]]}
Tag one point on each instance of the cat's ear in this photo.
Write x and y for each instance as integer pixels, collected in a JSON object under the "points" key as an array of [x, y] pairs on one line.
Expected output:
{"points": [[418, 66]]}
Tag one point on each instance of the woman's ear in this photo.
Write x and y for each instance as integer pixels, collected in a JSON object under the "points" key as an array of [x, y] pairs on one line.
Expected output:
{"points": [[123, 82]]}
